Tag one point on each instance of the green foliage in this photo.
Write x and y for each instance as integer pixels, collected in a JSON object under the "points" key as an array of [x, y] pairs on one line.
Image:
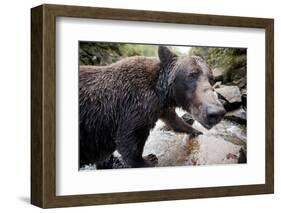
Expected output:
{"points": [[221, 57], [98, 53], [138, 49], [232, 60]]}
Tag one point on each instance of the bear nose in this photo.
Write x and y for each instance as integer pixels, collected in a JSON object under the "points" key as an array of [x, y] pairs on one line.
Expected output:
{"points": [[215, 113]]}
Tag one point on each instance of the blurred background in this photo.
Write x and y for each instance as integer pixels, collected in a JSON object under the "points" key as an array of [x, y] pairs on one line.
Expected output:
{"points": [[228, 64]]}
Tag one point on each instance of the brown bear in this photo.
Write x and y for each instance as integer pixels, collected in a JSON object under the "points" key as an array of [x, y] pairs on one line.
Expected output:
{"points": [[120, 103]]}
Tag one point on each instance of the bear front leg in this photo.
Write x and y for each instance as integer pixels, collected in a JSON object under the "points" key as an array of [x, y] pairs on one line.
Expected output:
{"points": [[110, 162], [176, 123], [130, 145], [105, 164]]}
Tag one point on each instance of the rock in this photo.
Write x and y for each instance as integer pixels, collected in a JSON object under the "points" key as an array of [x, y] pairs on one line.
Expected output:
{"points": [[234, 73], [210, 150], [220, 145], [229, 96], [230, 93], [239, 116], [217, 84], [98, 53], [218, 74], [229, 106], [241, 83], [223, 102], [225, 143], [243, 157], [169, 147], [244, 97]]}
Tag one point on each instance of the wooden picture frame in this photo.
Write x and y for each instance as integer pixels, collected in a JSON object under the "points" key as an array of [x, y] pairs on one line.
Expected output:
{"points": [[43, 105]]}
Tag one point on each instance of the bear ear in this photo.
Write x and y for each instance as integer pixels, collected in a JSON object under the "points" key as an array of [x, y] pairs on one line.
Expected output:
{"points": [[165, 54]]}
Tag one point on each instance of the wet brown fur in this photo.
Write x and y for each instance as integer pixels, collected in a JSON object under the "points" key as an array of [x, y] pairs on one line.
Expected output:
{"points": [[120, 104]]}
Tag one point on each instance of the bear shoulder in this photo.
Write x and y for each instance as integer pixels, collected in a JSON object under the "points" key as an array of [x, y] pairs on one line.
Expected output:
{"points": [[135, 67]]}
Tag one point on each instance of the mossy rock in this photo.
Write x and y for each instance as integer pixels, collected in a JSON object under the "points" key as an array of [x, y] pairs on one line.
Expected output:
{"points": [[227, 64]]}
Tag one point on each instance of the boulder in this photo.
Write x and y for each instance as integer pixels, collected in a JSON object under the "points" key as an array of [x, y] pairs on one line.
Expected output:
{"points": [[230, 93], [243, 156], [218, 74], [220, 145], [241, 82], [217, 84], [244, 97], [234, 73], [229, 106], [225, 143], [239, 116], [210, 150]]}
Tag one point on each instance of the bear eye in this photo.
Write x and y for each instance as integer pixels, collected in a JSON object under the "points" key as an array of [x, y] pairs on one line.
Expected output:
{"points": [[194, 74]]}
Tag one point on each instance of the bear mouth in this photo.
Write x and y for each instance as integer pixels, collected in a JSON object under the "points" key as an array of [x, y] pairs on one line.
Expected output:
{"points": [[205, 122]]}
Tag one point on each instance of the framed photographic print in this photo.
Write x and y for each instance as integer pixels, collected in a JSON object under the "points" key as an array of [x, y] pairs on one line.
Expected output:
{"points": [[135, 106]]}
